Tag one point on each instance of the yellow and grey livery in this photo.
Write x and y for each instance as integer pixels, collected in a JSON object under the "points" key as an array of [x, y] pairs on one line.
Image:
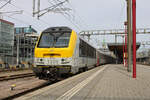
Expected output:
{"points": [[60, 50]]}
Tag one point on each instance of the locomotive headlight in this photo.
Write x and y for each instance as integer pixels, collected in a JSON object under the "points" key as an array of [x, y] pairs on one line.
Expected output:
{"points": [[39, 60], [65, 60]]}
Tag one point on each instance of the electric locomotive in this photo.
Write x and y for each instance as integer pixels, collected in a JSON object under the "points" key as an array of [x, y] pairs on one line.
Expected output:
{"points": [[59, 51]]}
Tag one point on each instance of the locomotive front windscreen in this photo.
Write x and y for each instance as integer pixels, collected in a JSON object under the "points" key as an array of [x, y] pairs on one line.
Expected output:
{"points": [[54, 40]]}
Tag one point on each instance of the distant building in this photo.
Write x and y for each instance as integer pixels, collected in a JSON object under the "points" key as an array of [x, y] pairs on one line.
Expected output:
{"points": [[6, 38], [16, 44], [25, 30], [24, 43]]}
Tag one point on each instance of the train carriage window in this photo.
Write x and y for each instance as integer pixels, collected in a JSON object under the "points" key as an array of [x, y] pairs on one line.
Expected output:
{"points": [[85, 50], [91, 51], [82, 48]]}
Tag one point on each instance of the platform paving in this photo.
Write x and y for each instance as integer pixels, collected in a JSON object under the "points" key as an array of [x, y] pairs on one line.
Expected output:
{"points": [[107, 82]]}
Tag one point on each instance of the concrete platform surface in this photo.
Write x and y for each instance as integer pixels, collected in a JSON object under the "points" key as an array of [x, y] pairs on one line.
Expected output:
{"points": [[107, 82]]}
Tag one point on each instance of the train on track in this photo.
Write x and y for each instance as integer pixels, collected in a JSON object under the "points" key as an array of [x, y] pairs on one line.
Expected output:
{"points": [[60, 51]]}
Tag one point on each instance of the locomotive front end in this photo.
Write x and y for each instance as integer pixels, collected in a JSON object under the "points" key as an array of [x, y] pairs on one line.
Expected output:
{"points": [[53, 52]]}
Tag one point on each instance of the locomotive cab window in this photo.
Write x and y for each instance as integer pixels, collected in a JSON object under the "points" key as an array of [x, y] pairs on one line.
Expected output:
{"points": [[56, 40]]}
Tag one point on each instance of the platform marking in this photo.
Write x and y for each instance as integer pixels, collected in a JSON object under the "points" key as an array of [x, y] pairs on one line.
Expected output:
{"points": [[69, 94]]}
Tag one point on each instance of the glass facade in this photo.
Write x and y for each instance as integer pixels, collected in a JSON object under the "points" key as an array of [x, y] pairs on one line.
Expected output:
{"points": [[6, 37]]}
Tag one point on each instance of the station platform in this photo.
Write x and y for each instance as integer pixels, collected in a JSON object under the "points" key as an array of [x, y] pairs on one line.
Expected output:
{"points": [[107, 82]]}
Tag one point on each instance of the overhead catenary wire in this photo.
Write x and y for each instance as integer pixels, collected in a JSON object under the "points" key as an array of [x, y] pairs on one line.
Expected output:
{"points": [[37, 26], [30, 15], [5, 4], [73, 19], [81, 21], [60, 8], [72, 16], [46, 10], [44, 21], [67, 17]]}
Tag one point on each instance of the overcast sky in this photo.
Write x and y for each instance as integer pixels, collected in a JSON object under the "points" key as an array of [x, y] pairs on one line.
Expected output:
{"points": [[84, 14], [88, 14]]}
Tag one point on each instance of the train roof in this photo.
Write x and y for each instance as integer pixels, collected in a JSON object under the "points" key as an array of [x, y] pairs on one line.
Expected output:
{"points": [[58, 29]]}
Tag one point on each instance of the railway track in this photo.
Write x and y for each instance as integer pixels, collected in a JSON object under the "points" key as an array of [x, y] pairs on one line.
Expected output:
{"points": [[4, 78], [28, 86], [23, 86], [20, 93], [10, 70]]}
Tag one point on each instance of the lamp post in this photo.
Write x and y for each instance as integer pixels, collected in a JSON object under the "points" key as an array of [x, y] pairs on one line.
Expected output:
{"points": [[123, 50], [17, 38]]}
